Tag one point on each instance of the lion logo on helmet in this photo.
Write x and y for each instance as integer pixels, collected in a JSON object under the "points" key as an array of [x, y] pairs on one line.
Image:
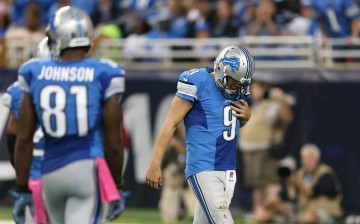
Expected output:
{"points": [[232, 62]]}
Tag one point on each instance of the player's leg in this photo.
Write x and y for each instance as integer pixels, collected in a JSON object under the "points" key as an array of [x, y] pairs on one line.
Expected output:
{"points": [[54, 195], [209, 188], [84, 205], [199, 215], [189, 201]]}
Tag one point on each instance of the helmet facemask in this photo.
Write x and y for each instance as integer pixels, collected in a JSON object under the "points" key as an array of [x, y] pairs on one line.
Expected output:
{"points": [[229, 87]]}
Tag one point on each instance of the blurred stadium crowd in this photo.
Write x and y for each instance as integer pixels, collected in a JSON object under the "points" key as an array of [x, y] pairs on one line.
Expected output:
{"points": [[23, 21]]}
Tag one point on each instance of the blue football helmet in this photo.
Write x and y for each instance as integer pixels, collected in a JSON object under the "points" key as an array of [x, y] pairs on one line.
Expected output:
{"points": [[233, 67], [70, 27]]}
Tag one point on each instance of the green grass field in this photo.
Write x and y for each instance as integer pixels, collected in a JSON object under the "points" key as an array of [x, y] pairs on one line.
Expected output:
{"points": [[148, 216]]}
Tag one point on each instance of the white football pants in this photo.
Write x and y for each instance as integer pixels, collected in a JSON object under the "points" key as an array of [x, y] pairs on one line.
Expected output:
{"points": [[214, 191]]}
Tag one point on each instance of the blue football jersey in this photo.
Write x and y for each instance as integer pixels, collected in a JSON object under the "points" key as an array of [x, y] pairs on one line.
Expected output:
{"points": [[337, 15], [12, 99], [68, 98], [211, 129]]}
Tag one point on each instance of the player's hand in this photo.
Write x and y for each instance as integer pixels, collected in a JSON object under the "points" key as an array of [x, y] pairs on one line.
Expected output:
{"points": [[241, 111], [118, 207], [154, 176], [22, 199]]}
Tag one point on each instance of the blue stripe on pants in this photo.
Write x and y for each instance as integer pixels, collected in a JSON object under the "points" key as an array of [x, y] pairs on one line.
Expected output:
{"points": [[97, 215], [200, 197]]}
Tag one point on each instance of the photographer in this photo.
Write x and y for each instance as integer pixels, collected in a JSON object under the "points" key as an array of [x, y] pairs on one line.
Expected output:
{"points": [[319, 190], [270, 115], [175, 190], [283, 204], [313, 190]]}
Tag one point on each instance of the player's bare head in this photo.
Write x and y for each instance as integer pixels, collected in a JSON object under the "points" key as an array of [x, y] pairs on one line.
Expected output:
{"points": [[234, 67], [69, 28], [310, 157], [42, 49]]}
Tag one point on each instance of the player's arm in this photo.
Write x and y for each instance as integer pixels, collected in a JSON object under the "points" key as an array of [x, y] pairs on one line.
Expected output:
{"points": [[11, 130], [114, 150], [178, 109], [24, 141]]}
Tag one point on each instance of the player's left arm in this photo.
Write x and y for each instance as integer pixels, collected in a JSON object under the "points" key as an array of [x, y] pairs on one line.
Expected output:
{"points": [[24, 141], [241, 110], [178, 109], [11, 130], [114, 149]]}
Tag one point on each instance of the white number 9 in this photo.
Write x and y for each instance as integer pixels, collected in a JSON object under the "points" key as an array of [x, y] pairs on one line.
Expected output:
{"points": [[229, 121]]}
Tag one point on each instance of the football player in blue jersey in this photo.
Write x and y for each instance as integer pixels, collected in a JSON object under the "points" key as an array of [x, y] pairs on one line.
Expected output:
{"points": [[211, 103], [76, 101], [12, 99]]}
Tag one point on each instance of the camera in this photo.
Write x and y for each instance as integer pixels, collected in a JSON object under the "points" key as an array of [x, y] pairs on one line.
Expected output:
{"points": [[286, 167]]}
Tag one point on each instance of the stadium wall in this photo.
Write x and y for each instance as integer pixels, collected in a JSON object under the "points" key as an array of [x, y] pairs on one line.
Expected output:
{"points": [[326, 113]]}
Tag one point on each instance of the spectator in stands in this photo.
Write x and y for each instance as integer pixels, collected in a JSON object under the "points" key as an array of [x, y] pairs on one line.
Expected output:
{"points": [[303, 24], [202, 14], [318, 187], [258, 141], [106, 12], [161, 23], [104, 32], [202, 30], [264, 23], [21, 40], [225, 24], [286, 10], [19, 8], [4, 19], [175, 190], [338, 18], [32, 18], [179, 26], [141, 6], [132, 9], [190, 11], [246, 17], [135, 43], [86, 5], [57, 5], [168, 23]]}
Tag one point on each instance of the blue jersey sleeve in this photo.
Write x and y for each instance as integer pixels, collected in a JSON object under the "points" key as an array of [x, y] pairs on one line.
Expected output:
{"points": [[351, 9], [247, 95], [113, 79], [25, 75], [189, 85], [12, 98], [6, 100]]}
